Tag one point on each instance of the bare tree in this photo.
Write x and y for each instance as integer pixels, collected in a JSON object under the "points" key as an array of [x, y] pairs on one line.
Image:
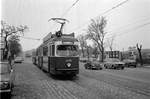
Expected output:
{"points": [[83, 44], [8, 30], [14, 45], [111, 43], [95, 50], [97, 34], [139, 48]]}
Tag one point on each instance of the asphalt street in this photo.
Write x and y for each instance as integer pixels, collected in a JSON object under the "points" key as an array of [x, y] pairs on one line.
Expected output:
{"points": [[32, 83]]}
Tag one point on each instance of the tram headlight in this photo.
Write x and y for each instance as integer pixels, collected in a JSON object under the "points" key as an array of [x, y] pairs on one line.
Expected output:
{"points": [[69, 64]]}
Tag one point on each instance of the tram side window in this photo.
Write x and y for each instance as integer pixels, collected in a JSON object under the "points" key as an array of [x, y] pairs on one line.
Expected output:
{"points": [[45, 51], [36, 52], [53, 50], [50, 50]]}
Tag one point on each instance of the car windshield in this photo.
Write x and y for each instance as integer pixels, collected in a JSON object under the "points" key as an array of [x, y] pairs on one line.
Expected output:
{"points": [[67, 50], [4, 69]]}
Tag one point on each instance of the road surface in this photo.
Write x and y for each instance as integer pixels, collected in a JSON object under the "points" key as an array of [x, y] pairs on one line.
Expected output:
{"points": [[130, 83]]}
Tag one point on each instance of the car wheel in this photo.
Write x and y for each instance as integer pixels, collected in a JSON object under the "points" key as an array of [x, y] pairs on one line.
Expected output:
{"points": [[105, 66], [135, 66], [122, 68], [112, 66]]}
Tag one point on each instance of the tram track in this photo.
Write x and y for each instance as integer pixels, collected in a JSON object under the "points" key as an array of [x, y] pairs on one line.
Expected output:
{"points": [[121, 82], [88, 84], [116, 81]]}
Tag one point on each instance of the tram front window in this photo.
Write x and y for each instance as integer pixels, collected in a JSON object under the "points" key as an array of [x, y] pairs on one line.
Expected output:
{"points": [[67, 50]]}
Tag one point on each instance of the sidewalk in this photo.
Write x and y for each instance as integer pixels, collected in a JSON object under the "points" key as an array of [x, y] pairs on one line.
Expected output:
{"points": [[28, 82]]}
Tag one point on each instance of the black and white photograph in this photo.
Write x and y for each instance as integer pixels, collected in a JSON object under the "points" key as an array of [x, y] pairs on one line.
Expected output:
{"points": [[75, 49]]}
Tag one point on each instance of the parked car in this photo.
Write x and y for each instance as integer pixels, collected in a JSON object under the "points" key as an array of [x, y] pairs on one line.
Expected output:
{"points": [[113, 63], [94, 65], [84, 60], [7, 78], [130, 63], [18, 60]]}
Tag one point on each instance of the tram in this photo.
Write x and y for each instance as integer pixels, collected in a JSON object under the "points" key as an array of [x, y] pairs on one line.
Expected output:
{"points": [[58, 54]]}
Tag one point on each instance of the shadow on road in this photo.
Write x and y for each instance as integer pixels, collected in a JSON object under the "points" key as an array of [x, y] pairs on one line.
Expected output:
{"points": [[64, 77]]}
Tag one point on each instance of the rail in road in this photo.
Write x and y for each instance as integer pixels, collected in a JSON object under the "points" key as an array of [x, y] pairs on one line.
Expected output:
{"points": [[32, 83]]}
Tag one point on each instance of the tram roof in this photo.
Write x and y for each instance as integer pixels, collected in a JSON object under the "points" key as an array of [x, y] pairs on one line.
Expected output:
{"points": [[65, 39]]}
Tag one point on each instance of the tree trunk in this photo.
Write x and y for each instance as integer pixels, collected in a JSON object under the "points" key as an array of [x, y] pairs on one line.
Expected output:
{"points": [[140, 54], [102, 60], [88, 53], [96, 54], [6, 49], [100, 52], [140, 57], [82, 52]]}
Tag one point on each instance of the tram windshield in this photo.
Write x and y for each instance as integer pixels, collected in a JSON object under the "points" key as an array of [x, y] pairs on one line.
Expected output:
{"points": [[67, 50]]}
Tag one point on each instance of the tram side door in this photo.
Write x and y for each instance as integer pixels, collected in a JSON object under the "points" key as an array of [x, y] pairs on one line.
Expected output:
{"points": [[45, 58], [51, 59]]}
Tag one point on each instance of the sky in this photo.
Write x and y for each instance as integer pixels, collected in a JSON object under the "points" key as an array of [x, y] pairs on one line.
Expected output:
{"points": [[128, 23]]}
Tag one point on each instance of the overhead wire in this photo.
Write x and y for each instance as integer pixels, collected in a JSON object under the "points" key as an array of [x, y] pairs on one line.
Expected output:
{"points": [[122, 33], [69, 8], [135, 28], [125, 26], [62, 16], [129, 31], [114, 7], [67, 11]]}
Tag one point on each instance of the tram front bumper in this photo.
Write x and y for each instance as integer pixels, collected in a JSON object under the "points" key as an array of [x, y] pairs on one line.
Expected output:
{"points": [[68, 71]]}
